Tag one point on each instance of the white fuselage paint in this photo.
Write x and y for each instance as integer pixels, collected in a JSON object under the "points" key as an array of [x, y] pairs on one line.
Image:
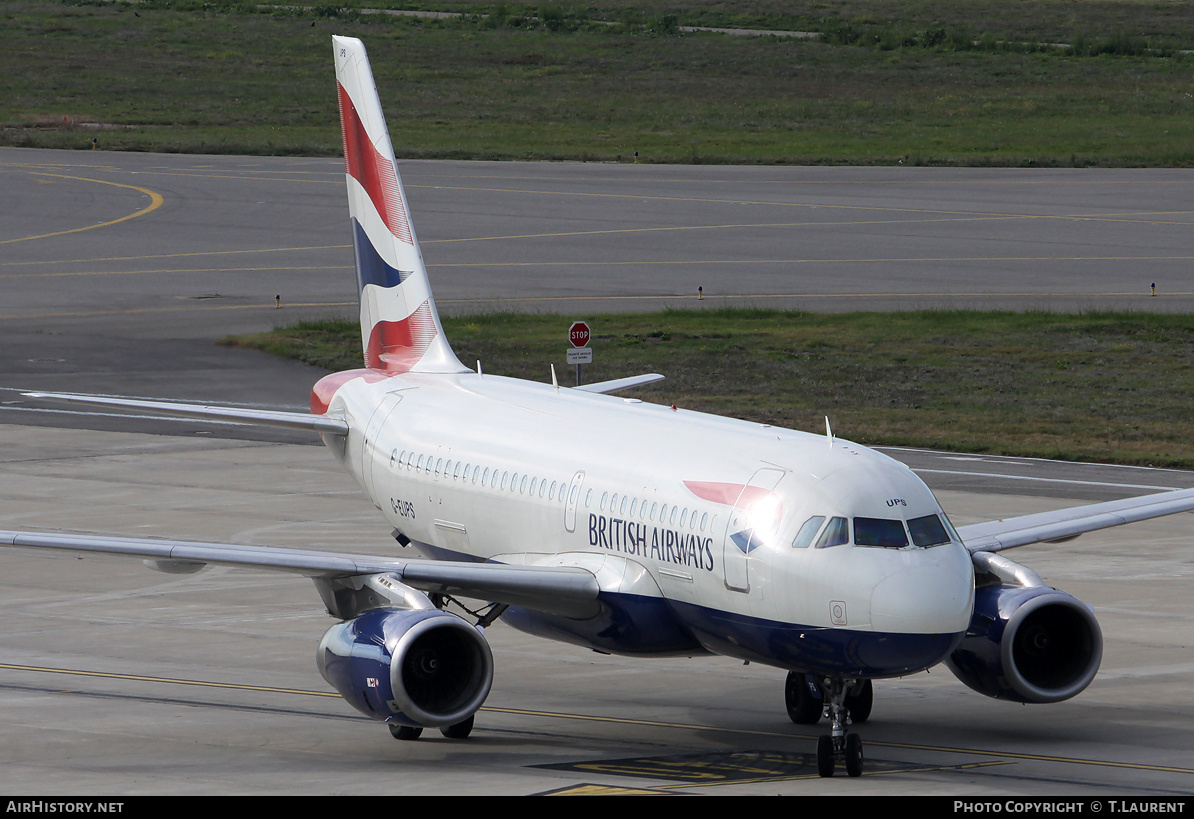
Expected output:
{"points": [[492, 468]]}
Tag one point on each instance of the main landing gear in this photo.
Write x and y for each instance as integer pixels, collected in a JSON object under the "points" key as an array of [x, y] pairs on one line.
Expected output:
{"points": [[460, 730], [843, 701]]}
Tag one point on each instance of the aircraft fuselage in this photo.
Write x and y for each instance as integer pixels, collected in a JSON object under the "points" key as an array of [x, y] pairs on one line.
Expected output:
{"points": [[687, 519]]}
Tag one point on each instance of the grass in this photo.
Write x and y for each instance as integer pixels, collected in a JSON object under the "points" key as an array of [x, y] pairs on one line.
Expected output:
{"points": [[1110, 387], [968, 83]]}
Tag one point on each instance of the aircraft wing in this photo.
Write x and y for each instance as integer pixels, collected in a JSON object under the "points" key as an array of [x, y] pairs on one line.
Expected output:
{"points": [[1065, 524], [568, 590]]}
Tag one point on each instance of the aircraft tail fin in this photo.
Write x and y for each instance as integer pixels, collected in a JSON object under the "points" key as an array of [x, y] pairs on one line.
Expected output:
{"points": [[400, 328]]}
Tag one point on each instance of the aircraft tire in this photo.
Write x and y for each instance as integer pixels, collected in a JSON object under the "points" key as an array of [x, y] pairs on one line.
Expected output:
{"points": [[460, 730], [405, 732], [803, 707], [853, 754], [825, 756], [860, 703]]}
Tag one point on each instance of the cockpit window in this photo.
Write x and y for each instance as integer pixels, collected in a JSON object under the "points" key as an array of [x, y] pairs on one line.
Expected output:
{"points": [[880, 532], [928, 531], [805, 536], [836, 533]]}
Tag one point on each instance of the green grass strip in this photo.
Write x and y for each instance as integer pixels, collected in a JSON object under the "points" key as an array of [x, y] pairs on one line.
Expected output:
{"points": [[1111, 387], [1021, 82]]}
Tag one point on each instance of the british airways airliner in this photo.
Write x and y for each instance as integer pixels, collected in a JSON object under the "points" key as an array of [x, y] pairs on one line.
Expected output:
{"points": [[804, 552]]}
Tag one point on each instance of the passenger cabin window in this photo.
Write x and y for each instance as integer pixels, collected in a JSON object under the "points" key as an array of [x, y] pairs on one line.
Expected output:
{"points": [[889, 534]]}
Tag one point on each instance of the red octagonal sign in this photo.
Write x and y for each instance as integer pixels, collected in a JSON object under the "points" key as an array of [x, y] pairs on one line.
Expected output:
{"points": [[578, 334]]}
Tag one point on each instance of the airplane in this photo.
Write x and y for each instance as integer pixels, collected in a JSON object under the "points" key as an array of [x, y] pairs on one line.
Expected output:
{"points": [[624, 526]]}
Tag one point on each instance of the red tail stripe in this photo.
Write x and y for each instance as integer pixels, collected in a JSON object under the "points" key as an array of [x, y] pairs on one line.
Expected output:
{"points": [[376, 173], [396, 346]]}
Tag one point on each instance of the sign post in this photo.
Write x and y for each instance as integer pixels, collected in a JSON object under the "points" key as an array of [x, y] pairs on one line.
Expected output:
{"points": [[581, 353]]}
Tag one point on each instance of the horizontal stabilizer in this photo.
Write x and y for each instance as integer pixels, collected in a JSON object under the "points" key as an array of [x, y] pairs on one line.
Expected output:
{"points": [[235, 415], [621, 383]]}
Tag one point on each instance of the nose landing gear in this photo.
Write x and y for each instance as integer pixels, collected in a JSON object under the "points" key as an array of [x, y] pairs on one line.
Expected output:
{"points": [[838, 744], [831, 748], [843, 701]]}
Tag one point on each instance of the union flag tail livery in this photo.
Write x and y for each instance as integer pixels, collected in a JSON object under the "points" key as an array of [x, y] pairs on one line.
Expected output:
{"points": [[400, 328]]}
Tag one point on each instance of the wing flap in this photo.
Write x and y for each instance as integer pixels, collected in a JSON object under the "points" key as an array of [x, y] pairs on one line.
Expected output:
{"points": [[1063, 524]]}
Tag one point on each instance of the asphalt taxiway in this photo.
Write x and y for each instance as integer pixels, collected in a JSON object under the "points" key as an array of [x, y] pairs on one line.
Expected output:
{"points": [[118, 273]]}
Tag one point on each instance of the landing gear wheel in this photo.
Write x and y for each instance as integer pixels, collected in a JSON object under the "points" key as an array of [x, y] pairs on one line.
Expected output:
{"points": [[803, 698], [825, 756], [838, 744], [460, 730], [405, 732], [859, 702], [853, 754]]}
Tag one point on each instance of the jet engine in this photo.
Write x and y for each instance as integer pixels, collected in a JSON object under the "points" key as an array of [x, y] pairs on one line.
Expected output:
{"points": [[421, 668], [1028, 644]]}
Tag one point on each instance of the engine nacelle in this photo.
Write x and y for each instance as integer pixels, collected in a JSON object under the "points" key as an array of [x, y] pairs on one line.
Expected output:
{"points": [[1028, 644], [422, 668]]}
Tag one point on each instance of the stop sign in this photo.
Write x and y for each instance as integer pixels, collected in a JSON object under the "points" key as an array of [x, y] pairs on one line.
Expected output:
{"points": [[578, 334]]}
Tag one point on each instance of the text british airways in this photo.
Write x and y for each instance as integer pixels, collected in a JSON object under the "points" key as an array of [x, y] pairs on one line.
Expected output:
{"points": [[667, 545]]}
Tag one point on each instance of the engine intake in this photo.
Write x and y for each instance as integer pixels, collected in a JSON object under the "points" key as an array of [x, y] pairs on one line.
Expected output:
{"points": [[422, 668], [1028, 645]]}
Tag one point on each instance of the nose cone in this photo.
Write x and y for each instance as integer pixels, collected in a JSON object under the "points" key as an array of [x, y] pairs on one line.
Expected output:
{"points": [[931, 593]]}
